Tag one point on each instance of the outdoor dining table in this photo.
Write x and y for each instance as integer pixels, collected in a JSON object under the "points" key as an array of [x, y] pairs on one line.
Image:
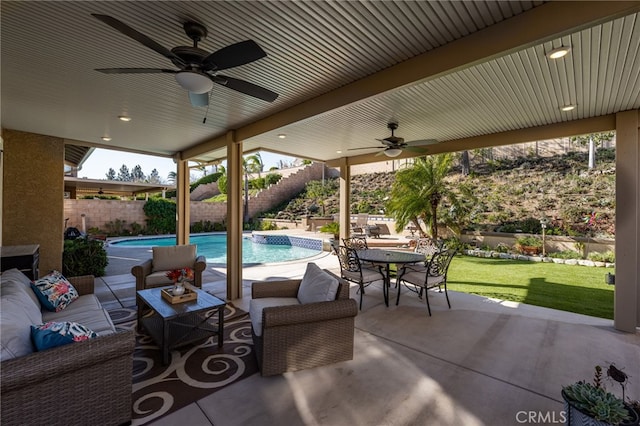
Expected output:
{"points": [[387, 257]]}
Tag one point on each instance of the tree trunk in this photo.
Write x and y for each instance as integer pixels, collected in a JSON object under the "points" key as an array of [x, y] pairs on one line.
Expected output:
{"points": [[466, 167]]}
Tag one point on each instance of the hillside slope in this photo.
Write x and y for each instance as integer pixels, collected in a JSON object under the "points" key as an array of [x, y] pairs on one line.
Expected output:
{"points": [[509, 192]]}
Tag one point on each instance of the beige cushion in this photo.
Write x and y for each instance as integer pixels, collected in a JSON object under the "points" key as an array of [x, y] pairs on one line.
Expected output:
{"points": [[85, 310], [17, 315], [16, 275], [173, 257], [157, 279], [317, 286], [256, 306]]}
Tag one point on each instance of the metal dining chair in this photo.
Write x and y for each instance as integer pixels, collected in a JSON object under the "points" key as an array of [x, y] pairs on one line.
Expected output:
{"points": [[351, 269], [358, 243], [434, 275]]}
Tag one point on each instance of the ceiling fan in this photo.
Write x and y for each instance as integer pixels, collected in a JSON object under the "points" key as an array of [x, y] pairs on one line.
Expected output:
{"points": [[393, 145], [197, 68]]}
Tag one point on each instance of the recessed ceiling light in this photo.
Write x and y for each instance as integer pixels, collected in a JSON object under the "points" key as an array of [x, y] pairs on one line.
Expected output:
{"points": [[338, 152], [558, 52], [106, 138], [282, 136], [124, 118], [568, 108]]}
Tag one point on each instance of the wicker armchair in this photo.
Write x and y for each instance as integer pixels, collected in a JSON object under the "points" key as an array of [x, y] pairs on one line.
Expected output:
{"points": [[152, 272], [297, 337]]}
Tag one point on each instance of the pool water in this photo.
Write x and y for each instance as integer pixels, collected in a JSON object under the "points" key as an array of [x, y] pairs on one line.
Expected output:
{"points": [[214, 248]]}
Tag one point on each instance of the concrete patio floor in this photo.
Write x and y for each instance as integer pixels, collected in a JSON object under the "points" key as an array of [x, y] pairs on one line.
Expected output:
{"points": [[482, 362]]}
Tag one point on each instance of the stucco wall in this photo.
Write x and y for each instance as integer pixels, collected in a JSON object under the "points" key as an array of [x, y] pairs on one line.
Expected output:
{"points": [[32, 190]]}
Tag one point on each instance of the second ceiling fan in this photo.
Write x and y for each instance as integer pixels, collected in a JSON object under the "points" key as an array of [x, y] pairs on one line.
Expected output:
{"points": [[197, 69], [393, 145]]}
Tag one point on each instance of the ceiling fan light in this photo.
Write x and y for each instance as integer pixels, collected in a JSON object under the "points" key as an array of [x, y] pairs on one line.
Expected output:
{"points": [[194, 82], [392, 152]]}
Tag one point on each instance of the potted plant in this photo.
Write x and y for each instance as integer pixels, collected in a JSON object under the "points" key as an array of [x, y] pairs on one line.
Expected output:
{"points": [[332, 228], [589, 404], [529, 245]]}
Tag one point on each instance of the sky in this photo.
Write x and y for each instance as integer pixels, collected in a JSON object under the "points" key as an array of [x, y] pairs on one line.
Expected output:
{"points": [[101, 160]]}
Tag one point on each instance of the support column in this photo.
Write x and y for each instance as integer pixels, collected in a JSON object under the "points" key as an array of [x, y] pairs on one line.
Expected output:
{"points": [[234, 217], [626, 315], [182, 206], [345, 198]]}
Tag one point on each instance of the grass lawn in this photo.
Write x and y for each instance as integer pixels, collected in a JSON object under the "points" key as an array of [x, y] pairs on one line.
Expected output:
{"points": [[578, 289]]}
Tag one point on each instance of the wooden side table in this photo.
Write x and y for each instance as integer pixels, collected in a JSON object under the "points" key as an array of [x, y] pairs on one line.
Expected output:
{"points": [[26, 258]]}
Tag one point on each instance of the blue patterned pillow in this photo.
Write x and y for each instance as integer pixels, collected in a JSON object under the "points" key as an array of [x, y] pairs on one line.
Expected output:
{"points": [[53, 334], [54, 291]]}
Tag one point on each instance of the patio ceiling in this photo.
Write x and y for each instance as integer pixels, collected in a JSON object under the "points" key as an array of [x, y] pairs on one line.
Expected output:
{"points": [[444, 70]]}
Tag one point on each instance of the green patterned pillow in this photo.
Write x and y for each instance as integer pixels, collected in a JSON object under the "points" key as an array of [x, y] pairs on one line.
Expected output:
{"points": [[53, 334], [54, 291]]}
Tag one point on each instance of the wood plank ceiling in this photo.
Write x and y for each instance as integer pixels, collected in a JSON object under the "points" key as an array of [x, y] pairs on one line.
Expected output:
{"points": [[315, 49]]}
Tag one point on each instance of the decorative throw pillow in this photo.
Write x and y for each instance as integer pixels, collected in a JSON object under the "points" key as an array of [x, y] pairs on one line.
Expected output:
{"points": [[317, 286], [54, 291], [52, 334]]}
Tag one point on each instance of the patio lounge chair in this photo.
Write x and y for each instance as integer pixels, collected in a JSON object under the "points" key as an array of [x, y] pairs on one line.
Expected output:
{"points": [[290, 336]]}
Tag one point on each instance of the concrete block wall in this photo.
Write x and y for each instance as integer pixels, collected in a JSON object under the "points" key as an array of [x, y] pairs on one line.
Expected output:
{"points": [[288, 186], [97, 213]]}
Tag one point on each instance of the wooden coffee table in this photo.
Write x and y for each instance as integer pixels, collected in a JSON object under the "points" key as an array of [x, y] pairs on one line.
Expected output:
{"points": [[179, 324]]}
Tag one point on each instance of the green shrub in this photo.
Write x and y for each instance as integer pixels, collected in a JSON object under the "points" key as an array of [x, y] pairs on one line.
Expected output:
{"points": [[116, 227], [608, 256], [272, 178], [136, 228], [268, 225], [83, 256], [565, 254], [161, 216], [529, 241]]}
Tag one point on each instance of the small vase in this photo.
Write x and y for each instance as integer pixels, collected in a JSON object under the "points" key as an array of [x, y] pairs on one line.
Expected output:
{"points": [[178, 289]]}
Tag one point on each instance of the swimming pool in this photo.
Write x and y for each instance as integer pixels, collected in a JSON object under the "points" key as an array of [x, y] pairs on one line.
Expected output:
{"points": [[256, 249]]}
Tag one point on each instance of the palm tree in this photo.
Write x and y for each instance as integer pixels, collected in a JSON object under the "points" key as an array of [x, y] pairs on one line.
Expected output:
{"points": [[253, 163], [418, 191]]}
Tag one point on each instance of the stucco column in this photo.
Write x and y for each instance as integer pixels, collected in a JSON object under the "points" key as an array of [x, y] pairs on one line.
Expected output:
{"points": [[626, 315], [182, 205], [234, 217], [345, 198], [32, 188]]}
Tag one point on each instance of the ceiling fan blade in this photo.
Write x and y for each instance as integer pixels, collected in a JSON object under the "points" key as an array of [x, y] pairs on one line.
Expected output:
{"points": [[232, 56], [135, 70], [139, 37], [366, 147], [422, 142], [199, 99], [246, 88]]}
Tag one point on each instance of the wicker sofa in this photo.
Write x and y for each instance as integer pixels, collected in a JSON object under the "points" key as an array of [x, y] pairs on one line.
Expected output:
{"points": [[299, 336], [81, 383]]}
